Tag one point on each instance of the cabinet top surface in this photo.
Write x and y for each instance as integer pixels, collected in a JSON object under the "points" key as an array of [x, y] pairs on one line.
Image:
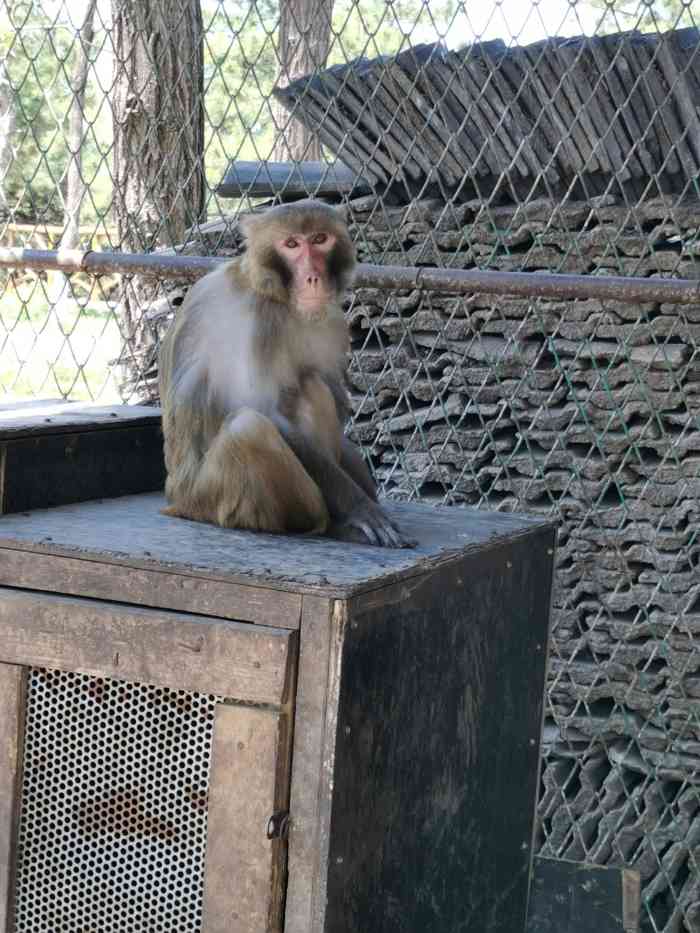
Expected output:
{"points": [[47, 416], [132, 531]]}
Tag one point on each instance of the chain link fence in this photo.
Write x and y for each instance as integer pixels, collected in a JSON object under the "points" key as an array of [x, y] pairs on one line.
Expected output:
{"points": [[546, 137]]}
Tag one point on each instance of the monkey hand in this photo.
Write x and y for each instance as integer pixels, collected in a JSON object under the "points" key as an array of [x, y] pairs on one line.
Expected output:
{"points": [[369, 524]]}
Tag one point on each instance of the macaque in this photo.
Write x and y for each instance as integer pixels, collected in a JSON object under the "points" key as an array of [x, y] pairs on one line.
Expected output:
{"points": [[252, 388]]}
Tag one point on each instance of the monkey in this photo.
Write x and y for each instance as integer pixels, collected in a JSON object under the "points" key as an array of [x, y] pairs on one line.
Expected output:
{"points": [[252, 387]]}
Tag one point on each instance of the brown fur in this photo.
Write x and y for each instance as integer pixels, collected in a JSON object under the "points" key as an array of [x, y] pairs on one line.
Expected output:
{"points": [[253, 399], [234, 469]]}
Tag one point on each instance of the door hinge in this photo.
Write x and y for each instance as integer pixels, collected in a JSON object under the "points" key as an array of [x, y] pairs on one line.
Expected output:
{"points": [[278, 825]]}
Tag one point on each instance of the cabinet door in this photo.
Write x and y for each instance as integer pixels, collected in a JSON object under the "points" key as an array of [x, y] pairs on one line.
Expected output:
{"points": [[142, 755], [245, 870]]}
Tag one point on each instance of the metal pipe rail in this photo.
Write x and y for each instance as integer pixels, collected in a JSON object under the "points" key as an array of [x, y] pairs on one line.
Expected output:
{"points": [[458, 281]]}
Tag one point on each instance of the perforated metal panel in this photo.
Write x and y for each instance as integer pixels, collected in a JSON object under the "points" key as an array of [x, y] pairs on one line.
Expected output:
{"points": [[114, 806]]}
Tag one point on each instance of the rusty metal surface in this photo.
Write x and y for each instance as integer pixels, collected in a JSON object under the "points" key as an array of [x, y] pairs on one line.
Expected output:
{"points": [[459, 281]]}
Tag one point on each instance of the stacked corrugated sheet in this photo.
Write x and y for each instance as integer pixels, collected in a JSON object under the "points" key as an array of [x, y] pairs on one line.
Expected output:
{"points": [[582, 111]]}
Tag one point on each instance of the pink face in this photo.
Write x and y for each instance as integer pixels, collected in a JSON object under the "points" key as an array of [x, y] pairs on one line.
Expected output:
{"points": [[306, 256]]}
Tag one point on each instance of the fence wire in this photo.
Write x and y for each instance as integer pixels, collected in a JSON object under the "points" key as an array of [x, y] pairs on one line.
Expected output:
{"points": [[560, 137]]}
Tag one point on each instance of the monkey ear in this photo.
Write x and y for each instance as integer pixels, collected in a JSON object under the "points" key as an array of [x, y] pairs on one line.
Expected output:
{"points": [[343, 212], [247, 224]]}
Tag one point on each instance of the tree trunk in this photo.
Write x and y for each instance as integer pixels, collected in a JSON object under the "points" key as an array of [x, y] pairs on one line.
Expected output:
{"points": [[58, 284], [75, 186], [7, 129], [302, 47], [158, 153]]}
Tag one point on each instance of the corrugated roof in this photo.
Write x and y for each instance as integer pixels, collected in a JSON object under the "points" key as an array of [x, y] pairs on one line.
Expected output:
{"points": [[560, 112]]}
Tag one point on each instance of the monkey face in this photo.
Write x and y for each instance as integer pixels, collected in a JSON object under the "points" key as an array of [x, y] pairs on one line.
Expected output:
{"points": [[300, 255], [306, 257]]}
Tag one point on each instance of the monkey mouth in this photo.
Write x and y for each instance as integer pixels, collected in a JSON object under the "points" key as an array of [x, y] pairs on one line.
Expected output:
{"points": [[313, 309]]}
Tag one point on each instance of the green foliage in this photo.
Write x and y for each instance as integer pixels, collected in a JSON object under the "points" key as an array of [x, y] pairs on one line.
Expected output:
{"points": [[40, 53], [241, 63], [39, 47], [645, 15], [240, 69]]}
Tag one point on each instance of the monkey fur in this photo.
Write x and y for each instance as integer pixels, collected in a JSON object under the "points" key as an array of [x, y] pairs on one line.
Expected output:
{"points": [[252, 378]]}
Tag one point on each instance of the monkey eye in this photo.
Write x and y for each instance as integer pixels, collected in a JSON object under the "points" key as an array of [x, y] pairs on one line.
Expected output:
{"points": [[291, 243], [319, 238]]}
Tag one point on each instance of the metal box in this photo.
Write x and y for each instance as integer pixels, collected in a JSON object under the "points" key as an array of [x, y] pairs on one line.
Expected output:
{"points": [[210, 730]]}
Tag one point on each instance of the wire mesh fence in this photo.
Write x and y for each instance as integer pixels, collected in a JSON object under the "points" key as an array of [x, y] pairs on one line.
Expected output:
{"points": [[545, 137]]}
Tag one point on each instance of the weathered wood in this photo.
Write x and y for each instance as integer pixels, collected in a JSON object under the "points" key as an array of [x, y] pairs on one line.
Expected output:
{"points": [[12, 688], [577, 898], [435, 621], [244, 875], [148, 646], [132, 532], [312, 769], [47, 470], [427, 821], [290, 179], [56, 452], [26, 404], [399, 142], [570, 115], [356, 114], [51, 417], [150, 587]]}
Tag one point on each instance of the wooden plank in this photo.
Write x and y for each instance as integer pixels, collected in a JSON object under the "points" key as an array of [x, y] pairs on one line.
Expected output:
{"points": [[397, 140], [478, 128], [322, 122], [578, 898], [28, 403], [516, 120], [12, 692], [607, 56], [639, 112], [48, 470], [131, 531], [150, 587], [542, 132], [478, 68], [417, 112], [441, 88], [382, 123], [312, 767], [169, 649], [648, 56], [674, 69], [353, 109], [244, 870], [582, 97], [293, 179], [418, 64], [61, 417], [613, 138], [645, 72], [441, 702]]}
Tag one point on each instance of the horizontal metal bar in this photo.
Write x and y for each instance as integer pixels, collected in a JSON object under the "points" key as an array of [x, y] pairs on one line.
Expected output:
{"points": [[460, 281], [101, 263]]}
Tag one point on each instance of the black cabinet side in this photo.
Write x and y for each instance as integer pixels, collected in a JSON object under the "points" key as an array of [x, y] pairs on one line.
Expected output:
{"points": [[437, 746]]}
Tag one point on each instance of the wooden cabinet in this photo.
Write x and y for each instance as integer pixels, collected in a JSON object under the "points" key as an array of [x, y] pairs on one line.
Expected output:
{"points": [[217, 731]]}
